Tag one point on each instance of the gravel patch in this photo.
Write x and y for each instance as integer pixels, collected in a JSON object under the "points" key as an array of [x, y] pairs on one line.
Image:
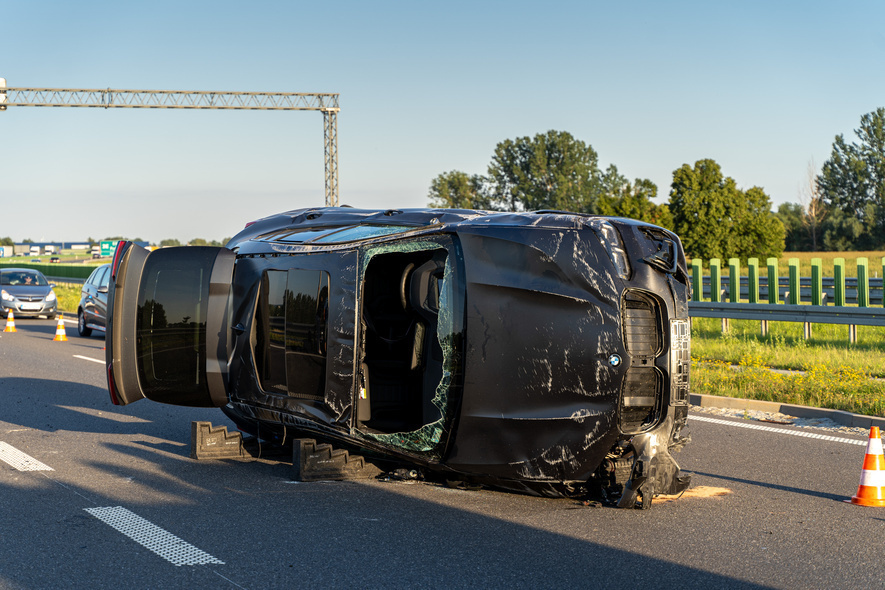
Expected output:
{"points": [[824, 424]]}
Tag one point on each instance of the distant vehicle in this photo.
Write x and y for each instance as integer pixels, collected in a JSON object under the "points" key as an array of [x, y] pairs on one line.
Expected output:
{"points": [[96, 255], [542, 352], [36, 260], [93, 307], [55, 259], [27, 293]]}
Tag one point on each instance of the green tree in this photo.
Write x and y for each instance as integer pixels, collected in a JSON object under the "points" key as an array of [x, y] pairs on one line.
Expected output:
{"points": [[715, 219], [635, 202], [169, 242], [759, 232], [552, 170], [198, 242], [458, 190], [6, 242], [792, 215], [853, 181]]}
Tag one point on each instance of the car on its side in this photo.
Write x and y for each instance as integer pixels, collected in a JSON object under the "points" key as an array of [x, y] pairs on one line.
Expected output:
{"points": [[27, 293], [544, 352], [93, 307]]}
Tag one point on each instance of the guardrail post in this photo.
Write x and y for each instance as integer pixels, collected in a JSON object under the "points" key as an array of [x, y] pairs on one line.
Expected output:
{"points": [[734, 280], [715, 281], [773, 278], [794, 295], [817, 285], [839, 281], [697, 279], [716, 287], [753, 280], [863, 282]]}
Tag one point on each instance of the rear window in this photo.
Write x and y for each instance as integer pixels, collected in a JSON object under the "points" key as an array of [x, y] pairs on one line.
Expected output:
{"points": [[171, 324]]}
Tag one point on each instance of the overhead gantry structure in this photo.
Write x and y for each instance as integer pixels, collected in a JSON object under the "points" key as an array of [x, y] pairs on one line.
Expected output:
{"points": [[326, 103]]}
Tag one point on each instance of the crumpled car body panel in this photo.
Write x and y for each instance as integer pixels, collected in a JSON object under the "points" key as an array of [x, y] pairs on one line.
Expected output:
{"points": [[541, 352]]}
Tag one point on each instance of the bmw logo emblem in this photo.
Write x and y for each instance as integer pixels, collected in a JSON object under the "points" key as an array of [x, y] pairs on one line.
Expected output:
{"points": [[614, 360]]}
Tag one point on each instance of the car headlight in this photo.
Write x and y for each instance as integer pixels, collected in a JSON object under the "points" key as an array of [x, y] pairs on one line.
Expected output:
{"points": [[613, 244], [6, 296], [50, 297]]}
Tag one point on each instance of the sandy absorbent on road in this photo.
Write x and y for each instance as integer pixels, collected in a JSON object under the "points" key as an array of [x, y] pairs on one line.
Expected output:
{"points": [[698, 492]]}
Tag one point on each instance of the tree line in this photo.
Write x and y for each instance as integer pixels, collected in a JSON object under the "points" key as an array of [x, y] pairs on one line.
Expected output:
{"points": [[843, 205]]}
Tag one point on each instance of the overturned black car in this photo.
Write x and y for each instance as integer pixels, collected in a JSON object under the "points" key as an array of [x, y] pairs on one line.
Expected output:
{"points": [[543, 352]]}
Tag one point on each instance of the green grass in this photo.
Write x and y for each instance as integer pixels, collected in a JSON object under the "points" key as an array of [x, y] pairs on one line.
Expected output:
{"points": [[68, 297], [832, 373]]}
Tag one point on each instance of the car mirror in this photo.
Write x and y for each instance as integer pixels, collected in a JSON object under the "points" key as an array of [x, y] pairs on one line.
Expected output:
{"points": [[52, 285]]}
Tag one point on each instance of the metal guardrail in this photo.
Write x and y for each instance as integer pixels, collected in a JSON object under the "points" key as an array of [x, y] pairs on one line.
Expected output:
{"points": [[805, 314], [815, 314], [65, 280]]}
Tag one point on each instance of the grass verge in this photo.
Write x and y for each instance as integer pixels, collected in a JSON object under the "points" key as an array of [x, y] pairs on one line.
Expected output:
{"points": [[831, 374]]}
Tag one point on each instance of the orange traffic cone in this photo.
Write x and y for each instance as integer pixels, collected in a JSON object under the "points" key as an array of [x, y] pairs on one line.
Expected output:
{"points": [[10, 323], [871, 491], [60, 335]]}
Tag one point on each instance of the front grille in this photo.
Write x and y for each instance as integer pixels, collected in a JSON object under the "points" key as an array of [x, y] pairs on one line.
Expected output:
{"points": [[642, 332], [644, 383]]}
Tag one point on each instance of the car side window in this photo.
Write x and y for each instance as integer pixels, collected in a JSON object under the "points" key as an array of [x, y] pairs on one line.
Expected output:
{"points": [[93, 278], [104, 277]]}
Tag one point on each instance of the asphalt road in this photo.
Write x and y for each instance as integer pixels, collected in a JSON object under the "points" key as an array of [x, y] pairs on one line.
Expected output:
{"points": [[783, 522]]}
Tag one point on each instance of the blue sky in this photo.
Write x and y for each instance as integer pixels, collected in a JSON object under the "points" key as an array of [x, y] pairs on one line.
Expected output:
{"points": [[761, 87]]}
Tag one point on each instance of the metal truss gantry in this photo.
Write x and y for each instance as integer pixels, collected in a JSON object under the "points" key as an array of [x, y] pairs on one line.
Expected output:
{"points": [[180, 99]]}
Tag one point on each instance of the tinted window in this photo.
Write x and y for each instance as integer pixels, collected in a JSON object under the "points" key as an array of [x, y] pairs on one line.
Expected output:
{"points": [[103, 277], [171, 323], [290, 330]]}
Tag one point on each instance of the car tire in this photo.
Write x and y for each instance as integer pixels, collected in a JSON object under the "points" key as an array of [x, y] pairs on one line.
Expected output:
{"points": [[81, 325], [50, 317]]}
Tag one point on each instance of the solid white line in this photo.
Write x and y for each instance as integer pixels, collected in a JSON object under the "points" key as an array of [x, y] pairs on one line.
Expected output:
{"points": [[86, 358], [19, 460], [752, 426], [152, 537]]}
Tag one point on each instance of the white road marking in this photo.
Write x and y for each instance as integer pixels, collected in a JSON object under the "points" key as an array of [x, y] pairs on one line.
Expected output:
{"points": [[86, 358], [152, 537], [22, 462], [801, 433]]}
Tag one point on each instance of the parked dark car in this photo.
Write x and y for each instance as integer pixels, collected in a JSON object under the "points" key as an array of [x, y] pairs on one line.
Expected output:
{"points": [[27, 293], [93, 307], [543, 352]]}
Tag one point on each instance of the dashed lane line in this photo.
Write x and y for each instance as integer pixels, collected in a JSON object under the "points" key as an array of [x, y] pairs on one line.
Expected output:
{"points": [[11, 455], [801, 433], [86, 358], [152, 537]]}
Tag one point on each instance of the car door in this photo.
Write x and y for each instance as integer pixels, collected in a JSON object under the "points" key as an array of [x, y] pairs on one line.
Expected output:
{"points": [[167, 327], [95, 316], [100, 298]]}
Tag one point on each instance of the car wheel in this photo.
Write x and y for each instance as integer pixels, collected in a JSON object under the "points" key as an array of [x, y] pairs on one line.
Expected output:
{"points": [[50, 317], [81, 325]]}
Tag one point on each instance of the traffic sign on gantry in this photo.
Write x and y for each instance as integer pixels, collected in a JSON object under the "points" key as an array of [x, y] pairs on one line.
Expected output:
{"points": [[326, 103]]}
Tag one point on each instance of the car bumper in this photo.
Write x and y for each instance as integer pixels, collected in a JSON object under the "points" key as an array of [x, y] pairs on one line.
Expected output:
{"points": [[29, 309]]}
